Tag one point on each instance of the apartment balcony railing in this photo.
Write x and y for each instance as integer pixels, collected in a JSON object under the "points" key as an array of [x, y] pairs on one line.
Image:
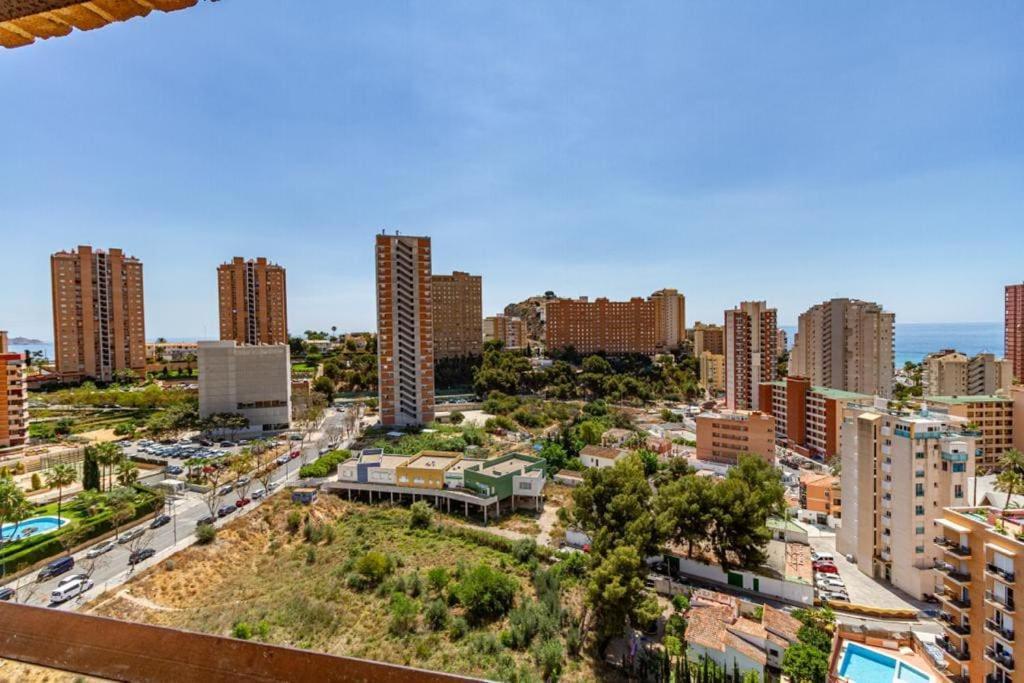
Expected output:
{"points": [[1003, 575], [1002, 658], [953, 573], [952, 547], [961, 654], [956, 602], [1003, 602], [950, 622], [999, 630], [926, 434], [954, 457]]}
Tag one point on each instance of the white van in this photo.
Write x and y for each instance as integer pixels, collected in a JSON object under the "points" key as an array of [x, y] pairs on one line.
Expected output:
{"points": [[69, 590], [822, 556]]}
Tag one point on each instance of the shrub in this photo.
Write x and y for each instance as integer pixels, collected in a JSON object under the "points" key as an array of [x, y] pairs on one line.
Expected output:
{"points": [[325, 465], [437, 578], [681, 602], [374, 566], [548, 655], [403, 614], [263, 629], [486, 593], [456, 417], [310, 555], [485, 644], [414, 585], [421, 515], [357, 582], [205, 534], [458, 629], [294, 520], [499, 423], [37, 483], [573, 564], [523, 550], [437, 615], [241, 630]]}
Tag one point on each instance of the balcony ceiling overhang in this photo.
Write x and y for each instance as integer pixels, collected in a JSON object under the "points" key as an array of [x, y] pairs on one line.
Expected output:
{"points": [[23, 21]]}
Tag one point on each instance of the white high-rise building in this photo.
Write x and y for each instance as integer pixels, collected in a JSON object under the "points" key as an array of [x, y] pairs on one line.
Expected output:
{"points": [[253, 381]]}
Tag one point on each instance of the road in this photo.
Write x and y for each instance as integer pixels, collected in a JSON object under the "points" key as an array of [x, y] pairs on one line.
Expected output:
{"points": [[112, 568]]}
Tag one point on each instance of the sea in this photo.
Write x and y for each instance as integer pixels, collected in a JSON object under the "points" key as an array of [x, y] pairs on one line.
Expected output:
{"points": [[914, 341]]}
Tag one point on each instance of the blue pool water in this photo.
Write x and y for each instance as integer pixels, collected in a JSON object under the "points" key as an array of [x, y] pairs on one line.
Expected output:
{"points": [[30, 527], [862, 665]]}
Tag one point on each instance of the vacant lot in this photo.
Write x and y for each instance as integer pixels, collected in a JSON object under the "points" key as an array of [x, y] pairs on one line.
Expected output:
{"points": [[263, 578]]}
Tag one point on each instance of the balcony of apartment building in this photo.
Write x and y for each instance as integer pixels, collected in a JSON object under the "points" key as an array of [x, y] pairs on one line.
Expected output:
{"points": [[1001, 600], [1000, 656], [953, 547], [959, 652], [887, 466], [955, 573], [956, 625], [958, 601], [1000, 629]]}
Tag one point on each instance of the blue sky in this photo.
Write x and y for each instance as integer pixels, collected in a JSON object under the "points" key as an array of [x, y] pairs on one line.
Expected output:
{"points": [[783, 151]]}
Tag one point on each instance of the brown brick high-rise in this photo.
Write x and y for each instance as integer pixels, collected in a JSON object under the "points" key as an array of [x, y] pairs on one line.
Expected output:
{"points": [[99, 325], [458, 315], [751, 348], [405, 341], [1014, 329], [253, 300]]}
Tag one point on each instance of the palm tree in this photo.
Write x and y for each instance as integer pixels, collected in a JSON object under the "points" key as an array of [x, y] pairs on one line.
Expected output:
{"points": [[14, 507], [1010, 479], [127, 473], [61, 475]]}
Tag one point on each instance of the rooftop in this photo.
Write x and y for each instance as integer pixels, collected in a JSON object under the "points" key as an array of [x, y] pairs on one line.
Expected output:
{"points": [[504, 467], [961, 400], [433, 460]]}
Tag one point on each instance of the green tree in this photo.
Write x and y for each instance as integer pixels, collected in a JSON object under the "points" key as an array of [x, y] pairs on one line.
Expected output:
{"points": [[685, 510], [1010, 479], [486, 593], [324, 385], [614, 506], [91, 480], [14, 508], [127, 473], [805, 663], [614, 592], [61, 475]]}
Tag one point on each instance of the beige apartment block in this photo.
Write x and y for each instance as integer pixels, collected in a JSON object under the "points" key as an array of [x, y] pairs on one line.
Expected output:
{"points": [[671, 318], [723, 437], [13, 397], [990, 417], [846, 344], [981, 553], [457, 309], [99, 325], [405, 330], [899, 469], [254, 381], [712, 372], [751, 339], [807, 418], [951, 373], [708, 338], [509, 330], [253, 299]]}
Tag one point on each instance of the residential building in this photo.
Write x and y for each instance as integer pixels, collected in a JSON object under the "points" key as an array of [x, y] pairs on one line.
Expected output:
{"points": [[601, 456], [253, 299], [783, 342], [981, 552], [426, 469], [405, 342], [807, 417], [723, 437], [820, 499], [670, 318], [951, 373], [750, 352], [880, 652], [989, 417], [99, 326], [13, 397], [602, 325], [457, 307], [898, 470], [1013, 329], [709, 338], [171, 351], [712, 372], [252, 381], [846, 344], [508, 329]]}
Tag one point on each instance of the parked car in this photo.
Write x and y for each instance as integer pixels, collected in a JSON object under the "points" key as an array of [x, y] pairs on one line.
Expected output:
{"points": [[226, 510], [829, 582], [242, 502], [225, 490], [273, 487], [140, 555], [175, 469], [69, 590], [160, 521], [826, 569], [835, 596], [131, 535], [282, 460], [227, 444], [6, 593], [325, 450], [819, 555], [208, 519], [242, 481], [294, 454], [56, 568], [100, 549], [256, 495], [72, 578]]}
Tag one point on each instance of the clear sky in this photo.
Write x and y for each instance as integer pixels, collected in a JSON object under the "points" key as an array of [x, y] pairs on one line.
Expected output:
{"points": [[790, 151]]}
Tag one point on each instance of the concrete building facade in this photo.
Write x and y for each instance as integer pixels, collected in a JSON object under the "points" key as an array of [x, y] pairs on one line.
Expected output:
{"points": [[509, 330], [602, 325], [807, 417], [846, 344], [709, 338], [899, 469], [1013, 328], [991, 418], [253, 299], [951, 373], [253, 381], [457, 306], [712, 372], [405, 330], [751, 341], [99, 322], [13, 397], [723, 437], [670, 318], [820, 499]]}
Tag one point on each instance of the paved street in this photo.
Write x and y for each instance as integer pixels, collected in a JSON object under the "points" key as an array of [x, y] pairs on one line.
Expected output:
{"points": [[112, 569]]}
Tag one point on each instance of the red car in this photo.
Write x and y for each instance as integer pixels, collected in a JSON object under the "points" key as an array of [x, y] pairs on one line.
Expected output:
{"points": [[826, 568], [293, 455], [242, 502]]}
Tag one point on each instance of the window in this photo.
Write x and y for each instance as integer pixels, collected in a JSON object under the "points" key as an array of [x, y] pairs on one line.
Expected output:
{"points": [[919, 474], [919, 549], [919, 455], [919, 509], [918, 489], [958, 491], [919, 530], [959, 467]]}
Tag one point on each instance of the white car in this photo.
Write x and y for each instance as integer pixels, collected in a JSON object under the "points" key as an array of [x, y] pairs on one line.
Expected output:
{"points": [[69, 590], [100, 549], [822, 555], [131, 535]]}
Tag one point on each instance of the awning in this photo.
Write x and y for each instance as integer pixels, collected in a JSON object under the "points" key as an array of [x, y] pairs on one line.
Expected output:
{"points": [[953, 526], [1000, 549], [22, 21]]}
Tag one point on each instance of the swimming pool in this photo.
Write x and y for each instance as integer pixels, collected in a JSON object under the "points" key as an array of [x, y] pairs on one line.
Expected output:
{"points": [[863, 665], [31, 527]]}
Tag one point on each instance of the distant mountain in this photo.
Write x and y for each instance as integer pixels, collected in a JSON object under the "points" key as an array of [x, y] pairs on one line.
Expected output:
{"points": [[25, 341]]}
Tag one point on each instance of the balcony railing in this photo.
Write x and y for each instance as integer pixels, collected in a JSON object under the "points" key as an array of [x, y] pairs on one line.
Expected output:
{"points": [[953, 573], [957, 602], [961, 654], [1003, 658], [1003, 601], [1001, 631], [955, 626], [1000, 573], [951, 546]]}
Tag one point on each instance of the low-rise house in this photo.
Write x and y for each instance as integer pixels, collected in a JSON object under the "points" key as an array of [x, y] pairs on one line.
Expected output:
{"points": [[668, 430], [513, 474], [820, 499], [615, 437], [601, 456], [426, 469], [568, 478], [306, 496], [455, 476], [659, 445]]}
